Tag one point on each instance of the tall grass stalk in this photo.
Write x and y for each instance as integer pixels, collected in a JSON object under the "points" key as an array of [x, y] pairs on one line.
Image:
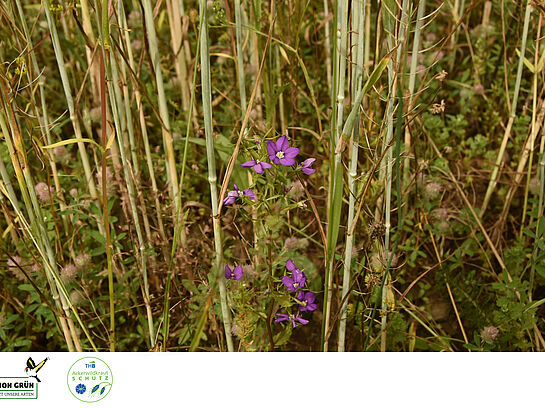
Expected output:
{"points": [[335, 197], [358, 20], [163, 111], [240, 58], [212, 177], [179, 225], [144, 132], [512, 115], [69, 99], [105, 47], [388, 10], [412, 82], [176, 36]]}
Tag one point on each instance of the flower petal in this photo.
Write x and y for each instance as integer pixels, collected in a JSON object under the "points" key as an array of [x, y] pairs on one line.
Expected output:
{"points": [[291, 152], [238, 272], [248, 164], [281, 318], [249, 193], [307, 170], [290, 265], [258, 168], [271, 148], [310, 297], [286, 161], [229, 200], [308, 162], [300, 320], [311, 307], [227, 272], [288, 283], [282, 143], [265, 165]]}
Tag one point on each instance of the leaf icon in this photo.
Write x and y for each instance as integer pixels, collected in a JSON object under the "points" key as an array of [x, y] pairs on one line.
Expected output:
{"points": [[95, 388], [102, 390]]}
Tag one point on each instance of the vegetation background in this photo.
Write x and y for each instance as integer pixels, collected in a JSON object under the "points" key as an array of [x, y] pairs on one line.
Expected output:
{"points": [[124, 125]]}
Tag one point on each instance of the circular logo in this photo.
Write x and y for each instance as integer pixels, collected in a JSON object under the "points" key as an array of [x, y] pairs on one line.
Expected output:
{"points": [[89, 379]]}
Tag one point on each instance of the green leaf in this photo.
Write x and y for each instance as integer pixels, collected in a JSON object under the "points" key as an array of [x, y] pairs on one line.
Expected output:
{"points": [[282, 338]]}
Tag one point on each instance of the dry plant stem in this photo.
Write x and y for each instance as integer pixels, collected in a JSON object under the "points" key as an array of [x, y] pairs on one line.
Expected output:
{"points": [[522, 162], [175, 23], [507, 133], [88, 29], [358, 18], [212, 177], [163, 111], [457, 314], [70, 101]]}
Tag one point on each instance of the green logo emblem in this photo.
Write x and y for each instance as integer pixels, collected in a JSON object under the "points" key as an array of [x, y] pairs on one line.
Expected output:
{"points": [[89, 379]]}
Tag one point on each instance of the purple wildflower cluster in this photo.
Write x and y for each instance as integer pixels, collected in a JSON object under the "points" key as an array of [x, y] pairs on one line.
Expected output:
{"points": [[281, 153], [306, 300], [233, 195]]}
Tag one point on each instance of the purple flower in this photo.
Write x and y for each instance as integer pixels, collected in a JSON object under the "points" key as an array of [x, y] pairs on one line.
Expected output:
{"points": [[306, 166], [234, 274], [297, 280], [291, 318], [307, 301], [234, 194], [258, 166], [281, 152]]}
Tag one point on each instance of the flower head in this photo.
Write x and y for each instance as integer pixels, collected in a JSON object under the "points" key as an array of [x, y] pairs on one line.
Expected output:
{"points": [[233, 274], [43, 191], [236, 193], [489, 334], [306, 166], [297, 280], [81, 388], [257, 165], [307, 301], [68, 273], [281, 152], [292, 318]]}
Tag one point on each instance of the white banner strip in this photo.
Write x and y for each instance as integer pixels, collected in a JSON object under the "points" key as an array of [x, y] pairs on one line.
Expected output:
{"points": [[270, 379]]}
